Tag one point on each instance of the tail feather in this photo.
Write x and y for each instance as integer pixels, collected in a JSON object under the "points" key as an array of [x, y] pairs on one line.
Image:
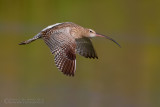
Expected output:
{"points": [[31, 40]]}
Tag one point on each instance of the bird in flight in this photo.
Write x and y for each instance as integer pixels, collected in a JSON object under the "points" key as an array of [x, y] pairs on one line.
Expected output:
{"points": [[65, 40]]}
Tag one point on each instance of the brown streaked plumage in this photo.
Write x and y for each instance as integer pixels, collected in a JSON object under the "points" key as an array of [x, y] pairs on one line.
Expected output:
{"points": [[65, 40]]}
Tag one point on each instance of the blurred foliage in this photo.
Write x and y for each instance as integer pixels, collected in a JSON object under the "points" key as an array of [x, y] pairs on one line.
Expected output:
{"points": [[121, 77]]}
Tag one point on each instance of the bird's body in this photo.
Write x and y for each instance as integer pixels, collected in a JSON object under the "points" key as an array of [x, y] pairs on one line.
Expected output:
{"points": [[65, 40]]}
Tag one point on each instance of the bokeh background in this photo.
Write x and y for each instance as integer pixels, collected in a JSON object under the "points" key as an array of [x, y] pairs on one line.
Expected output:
{"points": [[121, 77]]}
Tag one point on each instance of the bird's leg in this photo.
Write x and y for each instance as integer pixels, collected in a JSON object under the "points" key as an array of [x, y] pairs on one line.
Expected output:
{"points": [[30, 40]]}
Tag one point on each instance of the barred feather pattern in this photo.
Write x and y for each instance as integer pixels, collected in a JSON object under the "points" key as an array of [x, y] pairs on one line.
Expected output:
{"points": [[63, 45]]}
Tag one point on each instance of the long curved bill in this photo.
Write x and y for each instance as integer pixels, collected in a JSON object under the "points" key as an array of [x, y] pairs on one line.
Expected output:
{"points": [[99, 35]]}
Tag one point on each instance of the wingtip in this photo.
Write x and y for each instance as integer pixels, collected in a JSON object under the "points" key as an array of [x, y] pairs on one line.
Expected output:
{"points": [[97, 57], [70, 75]]}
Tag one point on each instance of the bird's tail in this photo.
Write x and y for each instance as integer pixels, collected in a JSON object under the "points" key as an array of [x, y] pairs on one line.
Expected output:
{"points": [[31, 40]]}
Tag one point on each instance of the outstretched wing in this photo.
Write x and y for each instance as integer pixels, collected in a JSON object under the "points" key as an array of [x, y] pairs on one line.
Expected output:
{"points": [[63, 46], [85, 48]]}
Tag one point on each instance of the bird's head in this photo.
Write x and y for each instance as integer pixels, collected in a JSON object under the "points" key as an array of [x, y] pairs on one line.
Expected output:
{"points": [[92, 33]]}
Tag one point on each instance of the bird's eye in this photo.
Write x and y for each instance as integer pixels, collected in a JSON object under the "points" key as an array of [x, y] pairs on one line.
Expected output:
{"points": [[91, 31]]}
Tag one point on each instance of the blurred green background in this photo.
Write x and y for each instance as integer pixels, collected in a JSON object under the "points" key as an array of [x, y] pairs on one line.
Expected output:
{"points": [[121, 77]]}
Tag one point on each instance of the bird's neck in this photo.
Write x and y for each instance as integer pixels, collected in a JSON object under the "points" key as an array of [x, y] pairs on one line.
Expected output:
{"points": [[77, 32]]}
